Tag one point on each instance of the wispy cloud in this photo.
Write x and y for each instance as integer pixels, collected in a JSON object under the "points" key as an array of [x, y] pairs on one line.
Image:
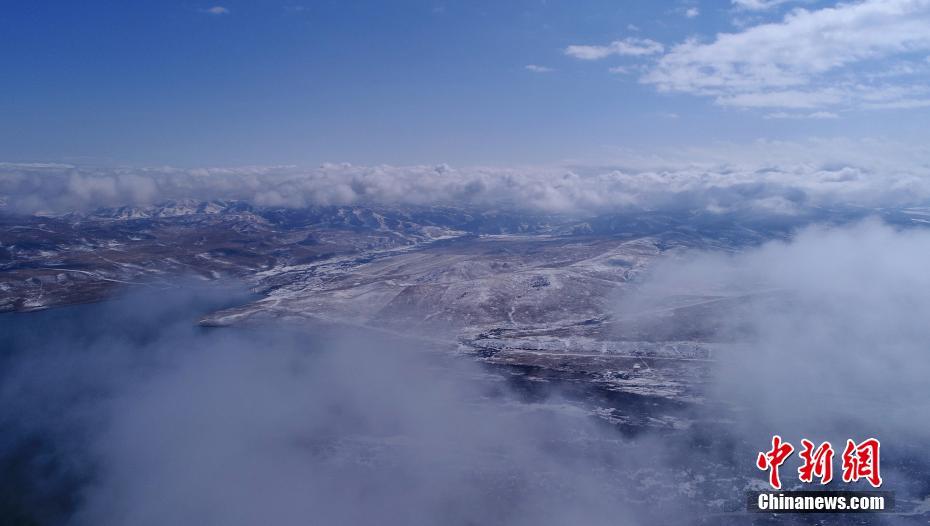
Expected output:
{"points": [[627, 47], [813, 115], [216, 10], [537, 69], [692, 12], [759, 5]]}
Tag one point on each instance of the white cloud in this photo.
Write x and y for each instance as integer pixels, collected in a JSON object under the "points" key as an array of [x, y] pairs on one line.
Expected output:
{"points": [[692, 12], [792, 99], [627, 47], [759, 5], [903, 104], [810, 59], [537, 69], [619, 70], [733, 177], [216, 10], [849, 313], [813, 115]]}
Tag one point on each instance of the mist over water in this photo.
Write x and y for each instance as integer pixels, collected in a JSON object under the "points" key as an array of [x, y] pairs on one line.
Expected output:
{"points": [[140, 417], [61, 372], [128, 413]]}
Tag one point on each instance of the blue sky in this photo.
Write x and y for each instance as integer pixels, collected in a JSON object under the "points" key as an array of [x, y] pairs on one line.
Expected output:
{"points": [[460, 82]]}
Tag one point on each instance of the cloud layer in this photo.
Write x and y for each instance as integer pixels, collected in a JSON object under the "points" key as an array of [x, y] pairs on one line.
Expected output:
{"points": [[765, 177]]}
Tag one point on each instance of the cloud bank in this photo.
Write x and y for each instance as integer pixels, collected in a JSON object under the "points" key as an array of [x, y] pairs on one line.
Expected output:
{"points": [[764, 177]]}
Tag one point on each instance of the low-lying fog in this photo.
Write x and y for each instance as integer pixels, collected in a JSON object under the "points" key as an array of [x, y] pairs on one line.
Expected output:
{"points": [[127, 413]]}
